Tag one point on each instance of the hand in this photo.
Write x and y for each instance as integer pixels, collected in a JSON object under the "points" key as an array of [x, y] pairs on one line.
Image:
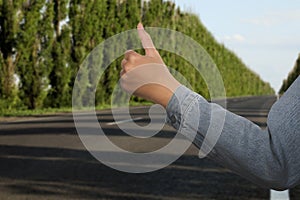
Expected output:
{"points": [[147, 76]]}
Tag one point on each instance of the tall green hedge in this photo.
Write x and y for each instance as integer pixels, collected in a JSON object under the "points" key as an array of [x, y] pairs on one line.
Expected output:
{"points": [[43, 43], [293, 75]]}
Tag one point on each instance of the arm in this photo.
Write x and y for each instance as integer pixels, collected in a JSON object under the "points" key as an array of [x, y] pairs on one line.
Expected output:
{"points": [[270, 158]]}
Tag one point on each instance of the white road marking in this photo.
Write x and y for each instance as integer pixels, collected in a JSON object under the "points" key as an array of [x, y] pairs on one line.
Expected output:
{"points": [[279, 195], [123, 121]]}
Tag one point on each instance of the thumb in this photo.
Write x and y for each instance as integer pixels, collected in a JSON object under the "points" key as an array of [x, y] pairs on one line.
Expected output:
{"points": [[146, 41]]}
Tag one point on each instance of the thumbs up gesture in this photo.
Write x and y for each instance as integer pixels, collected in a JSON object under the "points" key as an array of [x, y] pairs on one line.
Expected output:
{"points": [[146, 75]]}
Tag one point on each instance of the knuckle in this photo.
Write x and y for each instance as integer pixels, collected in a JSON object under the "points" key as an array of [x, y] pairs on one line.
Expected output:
{"points": [[131, 58], [128, 52], [131, 55], [123, 63], [126, 68]]}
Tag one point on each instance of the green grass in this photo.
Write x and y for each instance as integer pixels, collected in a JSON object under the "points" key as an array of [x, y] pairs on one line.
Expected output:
{"points": [[53, 111], [36, 112]]}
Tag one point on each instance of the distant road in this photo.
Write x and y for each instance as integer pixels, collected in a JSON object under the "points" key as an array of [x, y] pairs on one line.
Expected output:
{"points": [[43, 158], [255, 109]]}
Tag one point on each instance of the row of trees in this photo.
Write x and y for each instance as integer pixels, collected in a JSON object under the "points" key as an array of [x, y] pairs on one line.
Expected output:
{"points": [[293, 75], [43, 43]]}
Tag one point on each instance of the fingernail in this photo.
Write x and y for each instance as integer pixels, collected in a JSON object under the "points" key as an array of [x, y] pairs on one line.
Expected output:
{"points": [[140, 26]]}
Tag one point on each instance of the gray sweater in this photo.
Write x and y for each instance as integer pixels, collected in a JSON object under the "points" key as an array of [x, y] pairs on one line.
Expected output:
{"points": [[269, 158]]}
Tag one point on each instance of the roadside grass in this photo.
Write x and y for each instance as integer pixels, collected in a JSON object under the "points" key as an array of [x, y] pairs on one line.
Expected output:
{"points": [[54, 111], [36, 112]]}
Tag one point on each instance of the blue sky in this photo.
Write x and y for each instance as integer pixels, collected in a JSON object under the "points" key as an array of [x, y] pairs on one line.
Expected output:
{"points": [[264, 34]]}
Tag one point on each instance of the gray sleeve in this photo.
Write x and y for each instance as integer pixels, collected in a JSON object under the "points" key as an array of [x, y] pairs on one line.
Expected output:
{"points": [[269, 158]]}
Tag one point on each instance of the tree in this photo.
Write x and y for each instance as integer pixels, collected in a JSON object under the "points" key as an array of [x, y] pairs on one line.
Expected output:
{"points": [[9, 21], [60, 74], [34, 40]]}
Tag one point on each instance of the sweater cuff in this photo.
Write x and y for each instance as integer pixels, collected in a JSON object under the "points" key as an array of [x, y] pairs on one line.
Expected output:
{"points": [[178, 106]]}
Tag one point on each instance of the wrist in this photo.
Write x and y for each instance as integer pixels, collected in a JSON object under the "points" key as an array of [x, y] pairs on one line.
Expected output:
{"points": [[164, 95]]}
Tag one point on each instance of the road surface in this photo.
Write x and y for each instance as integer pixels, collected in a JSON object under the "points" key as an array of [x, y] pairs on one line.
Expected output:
{"points": [[43, 158]]}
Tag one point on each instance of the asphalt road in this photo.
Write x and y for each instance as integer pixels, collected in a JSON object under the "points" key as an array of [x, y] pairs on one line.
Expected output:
{"points": [[43, 158]]}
